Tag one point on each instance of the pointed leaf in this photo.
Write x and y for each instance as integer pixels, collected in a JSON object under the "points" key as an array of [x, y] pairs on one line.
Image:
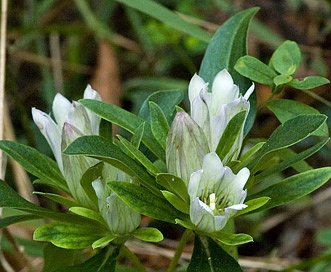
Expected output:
{"points": [[99, 148], [232, 239], [138, 135], [35, 163], [58, 199], [290, 161], [70, 235], [168, 17], [139, 156], [126, 120], [144, 202], [290, 133], [173, 184], [230, 134], [148, 234], [177, 202], [253, 204], [6, 221], [166, 100], [282, 79], [255, 70], [88, 213], [104, 241], [294, 187], [159, 124], [285, 109], [208, 256]]}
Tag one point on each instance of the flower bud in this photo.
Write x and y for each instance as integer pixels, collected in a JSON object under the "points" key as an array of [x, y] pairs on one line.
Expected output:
{"points": [[186, 146]]}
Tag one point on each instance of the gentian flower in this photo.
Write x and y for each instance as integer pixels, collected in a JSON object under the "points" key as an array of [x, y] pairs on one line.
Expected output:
{"points": [[216, 194], [186, 146], [212, 111]]}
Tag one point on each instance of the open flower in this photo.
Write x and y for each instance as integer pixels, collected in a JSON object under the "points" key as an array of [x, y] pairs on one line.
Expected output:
{"points": [[216, 194], [213, 110]]}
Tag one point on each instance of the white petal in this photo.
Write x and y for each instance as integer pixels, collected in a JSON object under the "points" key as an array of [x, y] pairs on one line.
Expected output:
{"points": [[195, 86], [60, 108], [199, 112], [237, 207], [51, 132], [223, 91], [193, 185], [202, 216], [220, 221], [249, 91], [78, 117], [90, 93], [213, 169]]}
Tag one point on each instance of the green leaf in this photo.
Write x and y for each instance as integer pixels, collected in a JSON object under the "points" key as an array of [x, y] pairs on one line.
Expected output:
{"points": [[290, 133], [9, 198], [70, 235], [58, 199], [286, 58], [232, 239], [35, 163], [138, 135], [255, 70], [285, 109], [230, 134], [176, 201], [139, 156], [173, 184], [290, 161], [294, 187], [253, 204], [307, 83], [166, 100], [104, 261], [144, 202], [208, 256], [247, 157], [159, 124], [126, 120], [99, 148], [168, 17], [148, 234], [6, 221], [282, 79], [104, 241], [90, 175], [88, 213]]}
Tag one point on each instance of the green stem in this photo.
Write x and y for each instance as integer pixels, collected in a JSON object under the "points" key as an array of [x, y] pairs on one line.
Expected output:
{"points": [[134, 259], [186, 235]]}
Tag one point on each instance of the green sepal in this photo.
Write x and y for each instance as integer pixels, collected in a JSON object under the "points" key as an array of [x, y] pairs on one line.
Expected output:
{"points": [[173, 184], [145, 202], [159, 124], [70, 235], [176, 201], [148, 234], [232, 239]]}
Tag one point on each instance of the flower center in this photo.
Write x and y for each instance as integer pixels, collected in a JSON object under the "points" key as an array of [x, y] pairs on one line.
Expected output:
{"points": [[217, 204]]}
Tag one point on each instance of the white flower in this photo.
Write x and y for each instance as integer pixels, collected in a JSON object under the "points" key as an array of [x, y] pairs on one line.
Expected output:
{"points": [[72, 120], [215, 194], [213, 110]]}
